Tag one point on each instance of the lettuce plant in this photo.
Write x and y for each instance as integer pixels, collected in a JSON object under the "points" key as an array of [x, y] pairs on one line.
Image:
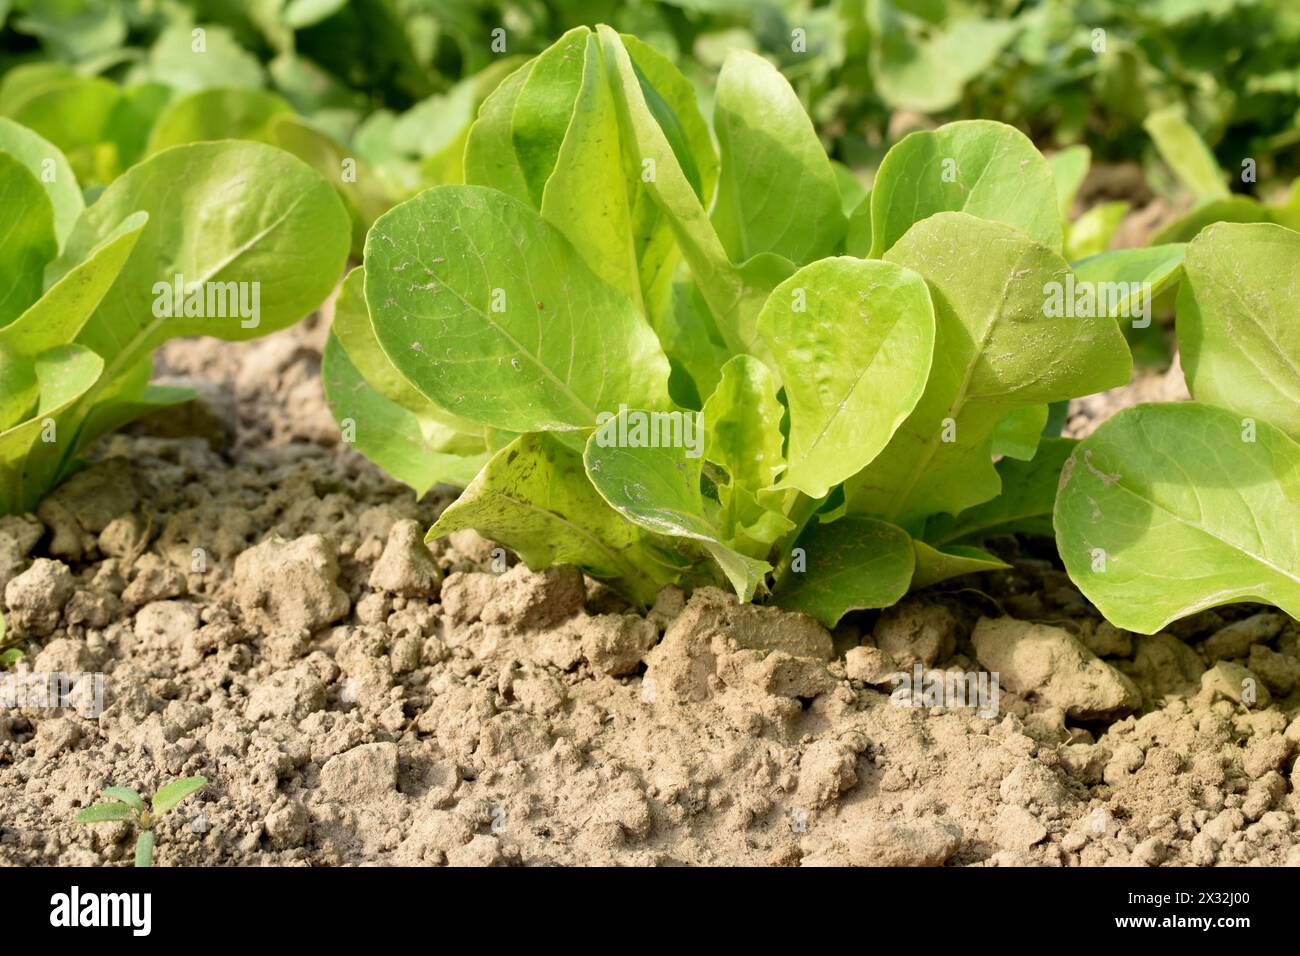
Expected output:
{"points": [[662, 365], [228, 239], [1168, 509]]}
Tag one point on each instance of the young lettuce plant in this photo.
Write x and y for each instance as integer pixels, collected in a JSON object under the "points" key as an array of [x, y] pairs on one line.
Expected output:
{"points": [[124, 804], [1169, 509], [228, 239], [679, 375]]}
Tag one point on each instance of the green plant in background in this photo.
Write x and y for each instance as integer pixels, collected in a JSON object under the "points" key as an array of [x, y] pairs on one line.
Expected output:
{"points": [[845, 403], [336, 61], [376, 95], [125, 805], [395, 82], [1195, 167], [1157, 267], [193, 80], [1190, 170], [228, 239], [1063, 70]]}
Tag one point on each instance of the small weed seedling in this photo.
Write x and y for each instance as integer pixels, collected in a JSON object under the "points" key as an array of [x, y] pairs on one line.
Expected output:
{"points": [[9, 654], [123, 803]]}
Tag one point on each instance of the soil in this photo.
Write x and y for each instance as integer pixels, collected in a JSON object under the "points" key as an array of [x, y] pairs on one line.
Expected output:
{"points": [[264, 613]]}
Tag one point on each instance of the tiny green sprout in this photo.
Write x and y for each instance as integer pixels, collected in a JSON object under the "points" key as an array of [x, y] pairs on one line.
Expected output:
{"points": [[123, 803], [9, 654]]}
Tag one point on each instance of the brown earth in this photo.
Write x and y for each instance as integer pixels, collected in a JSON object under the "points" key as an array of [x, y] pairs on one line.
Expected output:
{"points": [[266, 615]]}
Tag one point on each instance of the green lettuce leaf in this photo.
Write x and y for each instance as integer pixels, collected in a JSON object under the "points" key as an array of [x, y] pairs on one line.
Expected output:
{"points": [[534, 498], [934, 565], [1237, 326], [27, 225], [734, 294], [63, 374], [742, 433], [1069, 168], [1170, 509], [386, 419], [777, 191], [217, 114], [658, 488], [1155, 268], [46, 162], [983, 168], [1182, 148], [1025, 504], [1091, 233], [228, 217], [852, 564], [466, 285], [996, 349], [852, 340]]}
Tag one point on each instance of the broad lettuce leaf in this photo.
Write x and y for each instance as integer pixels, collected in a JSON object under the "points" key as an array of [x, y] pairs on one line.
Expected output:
{"points": [[76, 114], [543, 109], [490, 158], [584, 191], [267, 118], [1182, 148], [550, 136], [777, 191], [47, 163], [1173, 508], [854, 563], [853, 341], [1153, 268], [391, 422], [222, 216], [466, 285], [1237, 324], [734, 293], [57, 317], [995, 350], [27, 225], [63, 375], [980, 167], [217, 114]]}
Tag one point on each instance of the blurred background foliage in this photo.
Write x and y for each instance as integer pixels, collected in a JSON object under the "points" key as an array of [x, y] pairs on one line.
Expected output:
{"points": [[397, 82]]}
